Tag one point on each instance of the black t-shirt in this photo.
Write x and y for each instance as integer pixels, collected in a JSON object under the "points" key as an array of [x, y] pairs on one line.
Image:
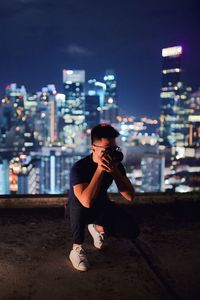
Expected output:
{"points": [[82, 172]]}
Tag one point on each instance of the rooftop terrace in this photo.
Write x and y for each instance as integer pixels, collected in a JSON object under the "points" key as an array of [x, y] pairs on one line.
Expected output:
{"points": [[164, 262]]}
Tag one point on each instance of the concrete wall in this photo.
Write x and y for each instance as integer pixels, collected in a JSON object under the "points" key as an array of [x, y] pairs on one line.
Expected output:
{"points": [[29, 201]]}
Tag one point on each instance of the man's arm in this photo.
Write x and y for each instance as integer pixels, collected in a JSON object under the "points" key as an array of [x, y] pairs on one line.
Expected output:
{"points": [[86, 193], [124, 185]]}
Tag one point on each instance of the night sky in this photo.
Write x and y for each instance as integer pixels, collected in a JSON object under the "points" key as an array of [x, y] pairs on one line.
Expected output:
{"points": [[38, 38]]}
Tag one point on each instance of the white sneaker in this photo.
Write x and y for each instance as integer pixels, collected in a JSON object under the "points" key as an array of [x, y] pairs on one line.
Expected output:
{"points": [[98, 237], [79, 259]]}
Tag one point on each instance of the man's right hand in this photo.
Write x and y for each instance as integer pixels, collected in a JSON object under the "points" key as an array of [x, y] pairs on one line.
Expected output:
{"points": [[105, 163]]}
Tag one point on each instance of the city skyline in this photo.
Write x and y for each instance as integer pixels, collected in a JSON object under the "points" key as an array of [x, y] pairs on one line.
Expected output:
{"points": [[42, 135], [127, 37]]}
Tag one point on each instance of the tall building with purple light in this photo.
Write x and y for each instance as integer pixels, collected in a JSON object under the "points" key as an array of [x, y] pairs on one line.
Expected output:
{"points": [[173, 120]]}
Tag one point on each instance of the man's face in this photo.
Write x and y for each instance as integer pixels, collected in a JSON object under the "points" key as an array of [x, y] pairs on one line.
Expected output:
{"points": [[99, 147]]}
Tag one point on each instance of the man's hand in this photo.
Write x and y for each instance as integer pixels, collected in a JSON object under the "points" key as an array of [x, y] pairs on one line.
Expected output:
{"points": [[107, 164]]}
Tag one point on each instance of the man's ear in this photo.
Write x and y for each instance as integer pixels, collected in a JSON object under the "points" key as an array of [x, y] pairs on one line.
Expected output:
{"points": [[92, 148]]}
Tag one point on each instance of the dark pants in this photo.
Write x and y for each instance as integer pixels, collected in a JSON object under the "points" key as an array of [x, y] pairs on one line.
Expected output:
{"points": [[115, 219]]}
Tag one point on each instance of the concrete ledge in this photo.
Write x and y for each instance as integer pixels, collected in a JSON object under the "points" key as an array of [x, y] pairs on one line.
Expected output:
{"points": [[32, 201], [51, 201]]}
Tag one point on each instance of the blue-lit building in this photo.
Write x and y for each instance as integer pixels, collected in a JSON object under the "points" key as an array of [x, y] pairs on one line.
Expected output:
{"points": [[152, 167], [41, 110], [174, 127], [98, 88], [92, 109], [73, 112], [4, 176], [194, 120], [29, 183], [23, 175], [55, 165], [15, 125], [110, 106]]}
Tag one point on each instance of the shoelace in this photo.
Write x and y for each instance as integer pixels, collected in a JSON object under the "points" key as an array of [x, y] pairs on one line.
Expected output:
{"points": [[79, 250], [101, 236], [81, 253]]}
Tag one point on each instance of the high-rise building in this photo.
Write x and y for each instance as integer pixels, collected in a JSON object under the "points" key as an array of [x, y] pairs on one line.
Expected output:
{"points": [[174, 113], [55, 169], [194, 120], [110, 106], [97, 88], [194, 102], [6, 114], [29, 183], [24, 177], [74, 109], [194, 131], [41, 112], [92, 109], [4, 176], [18, 134], [152, 166], [183, 156]]}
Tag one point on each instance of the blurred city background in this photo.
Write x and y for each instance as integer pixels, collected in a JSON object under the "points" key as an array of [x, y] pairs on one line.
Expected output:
{"points": [[43, 133]]}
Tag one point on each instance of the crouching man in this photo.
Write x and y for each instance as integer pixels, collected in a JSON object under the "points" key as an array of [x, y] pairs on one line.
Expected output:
{"points": [[89, 204]]}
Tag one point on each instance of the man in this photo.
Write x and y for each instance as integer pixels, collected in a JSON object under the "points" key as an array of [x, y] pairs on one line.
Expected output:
{"points": [[89, 204]]}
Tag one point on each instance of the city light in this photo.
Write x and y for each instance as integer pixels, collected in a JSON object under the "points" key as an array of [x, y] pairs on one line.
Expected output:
{"points": [[172, 51]]}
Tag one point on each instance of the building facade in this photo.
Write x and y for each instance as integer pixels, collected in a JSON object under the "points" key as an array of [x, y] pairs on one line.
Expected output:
{"points": [[174, 127], [110, 106], [152, 166], [73, 112]]}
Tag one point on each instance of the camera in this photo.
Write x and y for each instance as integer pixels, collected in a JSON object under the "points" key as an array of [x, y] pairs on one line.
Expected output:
{"points": [[114, 153]]}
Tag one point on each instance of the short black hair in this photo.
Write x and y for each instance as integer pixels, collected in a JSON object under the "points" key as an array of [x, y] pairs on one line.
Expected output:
{"points": [[103, 131]]}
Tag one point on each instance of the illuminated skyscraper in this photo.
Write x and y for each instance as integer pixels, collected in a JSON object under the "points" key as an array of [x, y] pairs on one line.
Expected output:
{"points": [[73, 81], [24, 177], [18, 135], [97, 88], [152, 166], [110, 107], [55, 169], [92, 110], [4, 175], [174, 115], [194, 102], [194, 119], [41, 110], [74, 110]]}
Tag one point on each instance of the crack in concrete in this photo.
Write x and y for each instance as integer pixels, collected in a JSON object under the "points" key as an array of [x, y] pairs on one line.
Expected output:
{"points": [[156, 267]]}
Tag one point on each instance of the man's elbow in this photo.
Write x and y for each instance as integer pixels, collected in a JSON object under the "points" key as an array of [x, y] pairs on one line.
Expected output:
{"points": [[87, 203], [128, 196], [131, 194]]}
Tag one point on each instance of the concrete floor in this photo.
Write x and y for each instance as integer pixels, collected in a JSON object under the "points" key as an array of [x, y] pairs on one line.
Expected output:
{"points": [[164, 263]]}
